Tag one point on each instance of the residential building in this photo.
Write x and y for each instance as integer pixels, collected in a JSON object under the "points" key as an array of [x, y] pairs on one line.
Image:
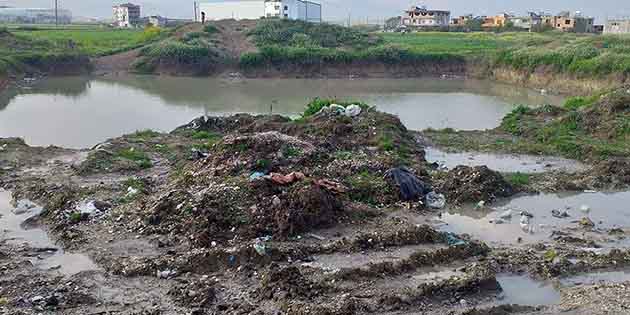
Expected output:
{"points": [[576, 23], [127, 15], [495, 21], [598, 29], [421, 17], [522, 22], [294, 9], [160, 21], [34, 16], [230, 9], [617, 26], [461, 21]]}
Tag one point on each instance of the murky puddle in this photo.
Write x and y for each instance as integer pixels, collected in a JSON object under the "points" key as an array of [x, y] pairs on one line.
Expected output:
{"points": [[358, 260], [605, 210], [523, 290], [17, 227], [503, 162]]}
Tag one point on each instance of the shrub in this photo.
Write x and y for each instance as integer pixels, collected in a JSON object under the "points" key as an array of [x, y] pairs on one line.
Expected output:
{"points": [[210, 29]]}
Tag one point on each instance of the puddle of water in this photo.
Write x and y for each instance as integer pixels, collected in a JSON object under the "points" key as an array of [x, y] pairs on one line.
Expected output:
{"points": [[84, 107], [15, 230], [503, 162], [357, 260], [523, 290], [611, 209], [597, 277]]}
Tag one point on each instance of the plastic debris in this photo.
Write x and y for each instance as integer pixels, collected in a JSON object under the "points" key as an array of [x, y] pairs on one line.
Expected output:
{"points": [[256, 175], [286, 179], [526, 214], [585, 208], [260, 246], [453, 240], [560, 214], [411, 187], [336, 108], [587, 223], [353, 111], [166, 274], [132, 192], [435, 200]]}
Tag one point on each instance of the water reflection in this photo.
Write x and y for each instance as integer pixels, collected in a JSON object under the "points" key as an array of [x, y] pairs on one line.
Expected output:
{"points": [[80, 111]]}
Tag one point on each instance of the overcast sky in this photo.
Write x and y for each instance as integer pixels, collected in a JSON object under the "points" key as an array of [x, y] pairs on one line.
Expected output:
{"points": [[339, 9]]}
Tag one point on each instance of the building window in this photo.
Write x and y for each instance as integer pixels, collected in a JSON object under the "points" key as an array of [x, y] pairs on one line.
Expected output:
{"points": [[286, 15], [286, 8], [567, 22]]}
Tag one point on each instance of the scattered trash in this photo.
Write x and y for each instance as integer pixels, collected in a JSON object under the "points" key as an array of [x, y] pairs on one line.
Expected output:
{"points": [[336, 108], [256, 175], [526, 214], [590, 191], [260, 246], [353, 111], [331, 186], [480, 205], [587, 223], [411, 187], [585, 209], [525, 223], [506, 215], [286, 179], [317, 237], [453, 240], [132, 191], [560, 214], [3, 147], [498, 221], [276, 202], [435, 200]]}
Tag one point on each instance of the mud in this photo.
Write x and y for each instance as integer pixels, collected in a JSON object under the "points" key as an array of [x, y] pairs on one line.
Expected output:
{"points": [[268, 215]]}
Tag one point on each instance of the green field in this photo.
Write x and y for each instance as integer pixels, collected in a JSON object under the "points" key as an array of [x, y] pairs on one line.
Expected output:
{"points": [[91, 41]]}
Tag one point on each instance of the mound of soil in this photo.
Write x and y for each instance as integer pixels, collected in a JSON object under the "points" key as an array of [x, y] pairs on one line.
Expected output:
{"points": [[473, 184], [286, 283]]}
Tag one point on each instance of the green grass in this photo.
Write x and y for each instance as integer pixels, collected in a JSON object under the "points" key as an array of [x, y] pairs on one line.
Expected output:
{"points": [[93, 42], [139, 157], [518, 179], [366, 187]]}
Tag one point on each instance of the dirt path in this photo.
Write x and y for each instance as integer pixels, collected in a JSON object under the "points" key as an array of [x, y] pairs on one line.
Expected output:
{"points": [[117, 63], [233, 36]]}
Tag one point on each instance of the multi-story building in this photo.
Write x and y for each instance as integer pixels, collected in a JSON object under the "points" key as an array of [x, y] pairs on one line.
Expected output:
{"points": [[461, 21], [495, 21], [127, 15], [576, 23], [617, 26], [421, 17], [294, 9]]}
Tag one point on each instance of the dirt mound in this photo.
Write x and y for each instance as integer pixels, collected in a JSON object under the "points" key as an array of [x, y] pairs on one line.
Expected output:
{"points": [[281, 283], [310, 206], [196, 293], [473, 184], [610, 117]]}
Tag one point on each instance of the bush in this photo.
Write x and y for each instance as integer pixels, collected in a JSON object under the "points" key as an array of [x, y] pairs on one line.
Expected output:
{"points": [[172, 51], [210, 29], [295, 33]]}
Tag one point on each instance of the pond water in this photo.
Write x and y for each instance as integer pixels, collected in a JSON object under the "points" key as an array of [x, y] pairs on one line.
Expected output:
{"points": [[80, 112]]}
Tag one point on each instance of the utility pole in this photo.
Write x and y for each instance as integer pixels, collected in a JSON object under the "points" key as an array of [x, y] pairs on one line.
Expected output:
{"points": [[57, 13], [195, 9]]}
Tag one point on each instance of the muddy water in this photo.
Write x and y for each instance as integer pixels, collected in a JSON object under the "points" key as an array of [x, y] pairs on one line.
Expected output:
{"points": [[523, 290], [17, 228], [503, 162], [80, 112], [607, 211]]}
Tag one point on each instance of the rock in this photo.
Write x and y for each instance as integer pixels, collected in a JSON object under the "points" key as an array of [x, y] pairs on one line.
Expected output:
{"points": [[435, 200], [37, 299], [410, 187], [276, 202], [353, 111], [166, 274]]}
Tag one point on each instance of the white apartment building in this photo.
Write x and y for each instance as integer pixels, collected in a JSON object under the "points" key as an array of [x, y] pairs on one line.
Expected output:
{"points": [[294, 9], [126, 15]]}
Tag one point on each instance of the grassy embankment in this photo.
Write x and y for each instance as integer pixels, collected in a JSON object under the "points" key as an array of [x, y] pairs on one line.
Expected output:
{"points": [[41, 49], [195, 52], [303, 44], [596, 127]]}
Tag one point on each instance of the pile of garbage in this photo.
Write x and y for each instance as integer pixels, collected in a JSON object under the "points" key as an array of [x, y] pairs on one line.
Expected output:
{"points": [[465, 184]]}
